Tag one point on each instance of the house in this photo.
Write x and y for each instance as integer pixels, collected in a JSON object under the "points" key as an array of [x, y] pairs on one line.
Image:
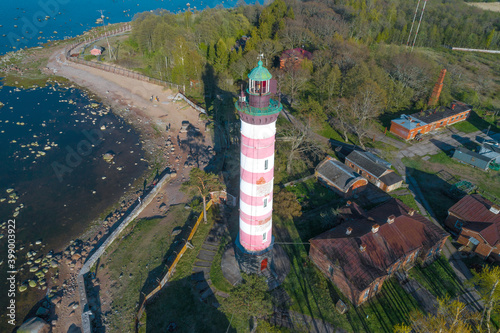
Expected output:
{"points": [[476, 223], [375, 169], [97, 50], [340, 178], [490, 149], [469, 157], [407, 127], [294, 56], [366, 248]]}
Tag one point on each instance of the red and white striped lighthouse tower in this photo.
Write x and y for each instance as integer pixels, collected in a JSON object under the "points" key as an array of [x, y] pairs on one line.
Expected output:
{"points": [[258, 117]]}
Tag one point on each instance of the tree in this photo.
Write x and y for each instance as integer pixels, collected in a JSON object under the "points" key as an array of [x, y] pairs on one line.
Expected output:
{"points": [[295, 80], [488, 285], [301, 141], [451, 316], [221, 56], [250, 299], [286, 205], [368, 104], [201, 183], [340, 117]]}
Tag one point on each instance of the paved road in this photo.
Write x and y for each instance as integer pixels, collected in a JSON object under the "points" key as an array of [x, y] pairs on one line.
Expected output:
{"points": [[445, 140], [470, 296]]}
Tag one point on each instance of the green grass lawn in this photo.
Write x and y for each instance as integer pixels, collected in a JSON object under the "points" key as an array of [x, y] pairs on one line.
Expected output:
{"points": [[434, 188], [328, 132], [408, 200], [438, 278], [179, 303], [218, 279], [477, 121], [133, 259], [313, 294], [312, 194]]}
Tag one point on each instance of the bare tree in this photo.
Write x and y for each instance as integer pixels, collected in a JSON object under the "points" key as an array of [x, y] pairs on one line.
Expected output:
{"points": [[339, 117], [295, 80], [365, 106], [301, 142]]}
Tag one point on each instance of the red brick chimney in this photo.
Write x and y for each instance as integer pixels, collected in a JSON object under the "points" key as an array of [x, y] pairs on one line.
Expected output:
{"points": [[437, 89], [375, 228], [391, 219]]}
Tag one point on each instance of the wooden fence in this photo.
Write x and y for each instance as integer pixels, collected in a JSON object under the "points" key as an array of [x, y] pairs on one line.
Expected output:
{"points": [[112, 68], [170, 270]]}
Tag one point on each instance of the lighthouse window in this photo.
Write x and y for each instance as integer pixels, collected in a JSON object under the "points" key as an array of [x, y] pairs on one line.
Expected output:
{"points": [[264, 236], [265, 202], [266, 164]]}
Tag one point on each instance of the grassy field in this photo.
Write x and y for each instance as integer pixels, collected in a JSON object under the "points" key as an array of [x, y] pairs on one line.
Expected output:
{"points": [[478, 120], [493, 6], [438, 278], [434, 188], [133, 260], [408, 200], [218, 279], [312, 194]]}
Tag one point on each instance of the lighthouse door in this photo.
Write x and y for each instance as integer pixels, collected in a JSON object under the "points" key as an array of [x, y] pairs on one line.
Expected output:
{"points": [[263, 264]]}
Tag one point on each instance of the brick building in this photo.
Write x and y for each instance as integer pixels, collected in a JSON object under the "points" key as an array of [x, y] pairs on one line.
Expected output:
{"points": [[476, 223], [294, 56], [366, 248], [407, 127], [340, 178], [375, 169]]}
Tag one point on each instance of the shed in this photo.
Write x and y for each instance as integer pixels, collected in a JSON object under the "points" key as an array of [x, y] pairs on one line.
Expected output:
{"points": [[469, 157], [375, 169], [340, 178], [490, 149], [97, 50]]}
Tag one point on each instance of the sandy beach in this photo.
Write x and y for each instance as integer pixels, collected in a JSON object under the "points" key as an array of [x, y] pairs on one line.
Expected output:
{"points": [[131, 100]]}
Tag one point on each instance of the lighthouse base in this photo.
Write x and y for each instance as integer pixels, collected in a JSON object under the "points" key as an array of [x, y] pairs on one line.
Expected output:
{"points": [[254, 262], [273, 264]]}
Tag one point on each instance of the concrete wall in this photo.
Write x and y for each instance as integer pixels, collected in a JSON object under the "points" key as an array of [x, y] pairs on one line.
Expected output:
{"points": [[86, 320]]}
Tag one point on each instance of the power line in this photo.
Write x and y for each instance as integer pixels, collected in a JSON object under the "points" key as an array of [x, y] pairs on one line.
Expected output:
{"points": [[412, 24], [419, 22]]}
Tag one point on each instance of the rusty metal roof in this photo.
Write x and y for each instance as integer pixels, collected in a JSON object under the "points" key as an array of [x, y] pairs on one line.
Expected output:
{"points": [[389, 244], [475, 210]]}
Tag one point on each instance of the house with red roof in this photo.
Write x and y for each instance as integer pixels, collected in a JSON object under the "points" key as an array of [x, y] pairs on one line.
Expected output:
{"points": [[367, 248], [476, 223], [294, 56]]}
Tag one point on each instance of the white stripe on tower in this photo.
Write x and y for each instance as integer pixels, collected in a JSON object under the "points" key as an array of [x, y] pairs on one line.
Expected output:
{"points": [[256, 185]]}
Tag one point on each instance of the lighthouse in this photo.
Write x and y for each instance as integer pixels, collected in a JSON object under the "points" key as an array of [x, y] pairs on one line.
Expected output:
{"points": [[258, 114]]}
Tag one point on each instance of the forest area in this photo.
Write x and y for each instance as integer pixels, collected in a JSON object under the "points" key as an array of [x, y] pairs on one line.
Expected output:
{"points": [[361, 70]]}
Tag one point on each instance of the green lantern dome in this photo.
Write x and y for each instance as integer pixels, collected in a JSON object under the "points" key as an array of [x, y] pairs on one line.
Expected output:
{"points": [[260, 73]]}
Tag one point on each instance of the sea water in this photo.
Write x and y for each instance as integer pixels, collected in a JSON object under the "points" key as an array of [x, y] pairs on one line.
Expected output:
{"points": [[52, 142], [29, 23]]}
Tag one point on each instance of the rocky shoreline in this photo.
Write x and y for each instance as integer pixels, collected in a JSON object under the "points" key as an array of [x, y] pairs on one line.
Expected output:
{"points": [[131, 103]]}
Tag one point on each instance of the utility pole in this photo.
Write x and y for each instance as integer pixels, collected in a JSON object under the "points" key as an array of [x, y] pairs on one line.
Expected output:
{"points": [[107, 40]]}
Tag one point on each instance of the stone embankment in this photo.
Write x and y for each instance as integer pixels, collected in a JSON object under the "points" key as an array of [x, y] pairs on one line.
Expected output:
{"points": [[140, 205]]}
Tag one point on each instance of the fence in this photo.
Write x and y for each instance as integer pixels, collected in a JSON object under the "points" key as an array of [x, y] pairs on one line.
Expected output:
{"points": [[164, 280], [474, 50], [116, 69], [86, 313], [195, 106]]}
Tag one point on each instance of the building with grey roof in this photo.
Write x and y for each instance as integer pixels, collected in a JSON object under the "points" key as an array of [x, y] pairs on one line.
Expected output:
{"points": [[340, 178]]}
